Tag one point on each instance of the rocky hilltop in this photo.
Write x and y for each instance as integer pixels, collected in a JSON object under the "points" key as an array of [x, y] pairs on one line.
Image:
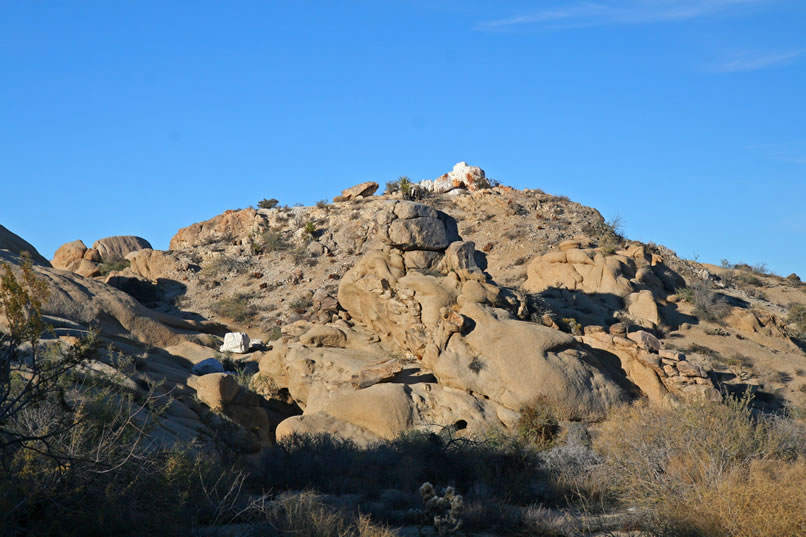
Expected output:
{"points": [[447, 304]]}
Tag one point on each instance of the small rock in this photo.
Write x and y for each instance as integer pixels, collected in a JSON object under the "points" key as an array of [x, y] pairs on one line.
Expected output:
{"points": [[235, 342], [92, 255], [645, 340], [671, 355], [618, 328], [690, 370], [208, 366]]}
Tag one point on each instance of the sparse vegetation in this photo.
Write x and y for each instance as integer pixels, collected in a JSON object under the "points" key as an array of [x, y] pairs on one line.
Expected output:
{"points": [[272, 241], [301, 304], [236, 307], [116, 265], [686, 468], [72, 443], [797, 317], [538, 424], [224, 265], [309, 229], [607, 233], [708, 305], [268, 203]]}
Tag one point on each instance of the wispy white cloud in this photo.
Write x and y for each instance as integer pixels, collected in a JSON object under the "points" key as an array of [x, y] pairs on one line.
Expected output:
{"points": [[610, 12], [754, 61]]}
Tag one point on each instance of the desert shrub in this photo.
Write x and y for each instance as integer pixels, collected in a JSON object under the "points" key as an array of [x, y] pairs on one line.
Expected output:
{"points": [[236, 307], [275, 334], [224, 265], [538, 424], [301, 256], [301, 304], [608, 234], [392, 187], [668, 462], [272, 241], [322, 204], [73, 446], [502, 468], [708, 305], [484, 183], [797, 317], [765, 499], [268, 203], [307, 514], [113, 266], [309, 229]]}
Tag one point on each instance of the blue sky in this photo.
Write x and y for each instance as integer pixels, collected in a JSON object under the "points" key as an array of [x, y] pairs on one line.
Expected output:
{"points": [[686, 118]]}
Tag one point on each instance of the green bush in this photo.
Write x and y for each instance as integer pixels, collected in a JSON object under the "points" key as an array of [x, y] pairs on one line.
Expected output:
{"points": [[268, 203], [538, 424], [272, 241], [113, 266]]}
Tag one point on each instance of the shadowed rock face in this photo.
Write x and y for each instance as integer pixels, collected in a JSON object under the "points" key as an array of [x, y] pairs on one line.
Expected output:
{"points": [[16, 244]]}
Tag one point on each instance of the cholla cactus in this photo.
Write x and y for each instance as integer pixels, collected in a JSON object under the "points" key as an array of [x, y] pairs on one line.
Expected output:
{"points": [[443, 512]]}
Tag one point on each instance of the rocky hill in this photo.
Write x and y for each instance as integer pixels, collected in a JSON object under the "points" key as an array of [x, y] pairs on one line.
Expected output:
{"points": [[452, 303]]}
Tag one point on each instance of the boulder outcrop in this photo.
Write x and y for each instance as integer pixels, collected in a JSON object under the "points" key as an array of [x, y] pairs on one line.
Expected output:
{"points": [[447, 325], [117, 248], [637, 278], [237, 226]]}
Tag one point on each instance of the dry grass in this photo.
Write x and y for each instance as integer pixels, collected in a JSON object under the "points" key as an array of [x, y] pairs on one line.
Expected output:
{"points": [[765, 499], [690, 470], [306, 514]]}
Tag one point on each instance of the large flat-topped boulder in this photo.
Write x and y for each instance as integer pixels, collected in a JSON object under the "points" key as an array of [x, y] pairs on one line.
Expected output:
{"points": [[358, 191], [117, 248], [16, 244]]}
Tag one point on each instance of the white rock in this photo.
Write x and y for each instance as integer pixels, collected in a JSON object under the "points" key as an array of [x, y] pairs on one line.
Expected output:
{"points": [[205, 367], [427, 185], [442, 184], [466, 176], [235, 342]]}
